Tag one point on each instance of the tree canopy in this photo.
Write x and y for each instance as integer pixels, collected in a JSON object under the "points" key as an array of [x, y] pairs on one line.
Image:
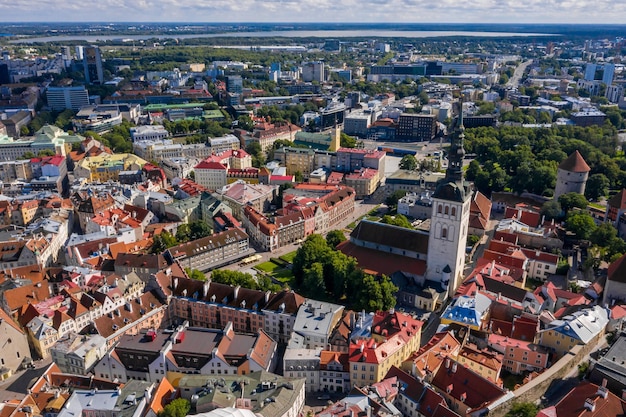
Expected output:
{"points": [[326, 274], [179, 407], [526, 159], [408, 162]]}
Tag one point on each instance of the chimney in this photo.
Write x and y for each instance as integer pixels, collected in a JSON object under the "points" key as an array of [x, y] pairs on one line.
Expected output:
{"points": [[454, 367], [147, 395], [602, 391], [205, 288], [590, 404]]}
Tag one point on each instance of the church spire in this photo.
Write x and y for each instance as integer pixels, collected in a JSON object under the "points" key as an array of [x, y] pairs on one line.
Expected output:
{"points": [[457, 152]]}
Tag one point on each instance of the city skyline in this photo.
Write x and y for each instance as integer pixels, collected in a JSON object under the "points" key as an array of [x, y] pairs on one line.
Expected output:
{"points": [[285, 11]]}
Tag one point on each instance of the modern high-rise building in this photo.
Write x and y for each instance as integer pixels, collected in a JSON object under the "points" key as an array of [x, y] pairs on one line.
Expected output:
{"points": [[313, 71], [63, 98], [234, 84], [92, 61], [609, 73]]}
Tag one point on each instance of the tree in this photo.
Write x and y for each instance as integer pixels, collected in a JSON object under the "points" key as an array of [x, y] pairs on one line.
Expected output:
{"points": [[195, 274], [162, 242], [408, 162], [570, 200], [347, 141], [398, 220], [199, 229], [335, 237], [551, 209], [472, 170], [597, 186], [245, 122], [258, 156], [392, 200], [177, 408], [603, 235], [523, 409], [314, 249], [389, 291], [339, 269], [182, 233], [313, 283], [298, 177], [581, 224], [369, 295], [225, 276]]}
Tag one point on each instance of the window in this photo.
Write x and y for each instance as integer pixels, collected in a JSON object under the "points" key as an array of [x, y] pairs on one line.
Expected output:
{"points": [[445, 211], [439, 209], [444, 233]]}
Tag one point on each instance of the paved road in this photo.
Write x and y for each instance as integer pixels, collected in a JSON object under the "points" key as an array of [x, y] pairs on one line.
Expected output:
{"points": [[517, 75]]}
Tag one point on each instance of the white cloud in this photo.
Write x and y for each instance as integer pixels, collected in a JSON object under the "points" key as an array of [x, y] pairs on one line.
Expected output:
{"points": [[426, 11]]}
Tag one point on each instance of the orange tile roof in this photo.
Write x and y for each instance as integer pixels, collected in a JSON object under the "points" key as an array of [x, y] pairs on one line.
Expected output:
{"points": [[20, 296], [161, 396]]}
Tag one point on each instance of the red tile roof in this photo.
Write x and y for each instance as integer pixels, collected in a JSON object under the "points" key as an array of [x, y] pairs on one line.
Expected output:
{"points": [[461, 382], [574, 163], [573, 404], [376, 262]]}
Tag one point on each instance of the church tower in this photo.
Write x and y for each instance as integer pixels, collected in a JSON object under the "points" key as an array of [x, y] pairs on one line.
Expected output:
{"points": [[450, 218]]}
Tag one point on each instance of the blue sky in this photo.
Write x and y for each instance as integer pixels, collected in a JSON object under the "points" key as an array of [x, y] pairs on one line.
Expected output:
{"points": [[418, 11]]}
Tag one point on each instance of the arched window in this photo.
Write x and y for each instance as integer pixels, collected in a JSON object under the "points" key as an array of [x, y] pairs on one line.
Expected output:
{"points": [[439, 209], [453, 212], [444, 233], [446, 210]]}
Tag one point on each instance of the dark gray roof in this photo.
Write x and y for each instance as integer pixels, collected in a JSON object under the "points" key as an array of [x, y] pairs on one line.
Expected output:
{"points": [[452, 191], [392, 236]]}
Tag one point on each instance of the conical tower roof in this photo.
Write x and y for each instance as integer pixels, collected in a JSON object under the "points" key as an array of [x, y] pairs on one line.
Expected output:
{"points": [[574, 163]]}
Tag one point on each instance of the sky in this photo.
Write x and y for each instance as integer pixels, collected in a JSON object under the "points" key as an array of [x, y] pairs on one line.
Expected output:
{"points": [[408, 11]]}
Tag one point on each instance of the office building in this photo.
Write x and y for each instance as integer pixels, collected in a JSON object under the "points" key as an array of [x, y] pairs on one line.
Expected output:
{"points": [[148, 132], [416, 127], [92, 61], [332, 116], [313, 71], [234, 84], [63, 98]]}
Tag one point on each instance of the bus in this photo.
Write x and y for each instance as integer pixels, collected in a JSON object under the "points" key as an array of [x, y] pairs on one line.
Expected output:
{"points": [[397, 151]]}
